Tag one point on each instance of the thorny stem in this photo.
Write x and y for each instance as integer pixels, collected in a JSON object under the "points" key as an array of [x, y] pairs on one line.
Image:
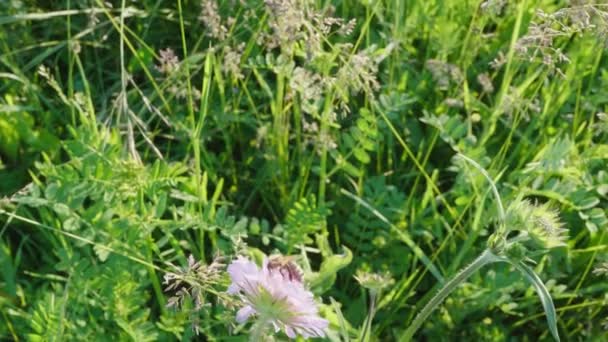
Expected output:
{"points": [[485, 258]]}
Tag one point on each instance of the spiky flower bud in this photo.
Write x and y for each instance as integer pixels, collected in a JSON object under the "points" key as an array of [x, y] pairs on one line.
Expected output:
{"points": [[497, 242], [539, 225], [374, 282], [516, 252]]}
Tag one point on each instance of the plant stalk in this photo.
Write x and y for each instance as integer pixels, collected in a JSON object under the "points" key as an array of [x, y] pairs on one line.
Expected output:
{"points": [[258, 331], [367, 325], [485, 258], [501, 209]]}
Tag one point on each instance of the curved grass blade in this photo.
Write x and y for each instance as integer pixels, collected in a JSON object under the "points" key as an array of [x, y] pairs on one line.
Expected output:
{"points": [[544, 295], [404, 236]]}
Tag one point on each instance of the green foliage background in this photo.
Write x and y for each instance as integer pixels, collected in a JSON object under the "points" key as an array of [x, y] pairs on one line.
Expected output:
{"points": [[98, 198]]}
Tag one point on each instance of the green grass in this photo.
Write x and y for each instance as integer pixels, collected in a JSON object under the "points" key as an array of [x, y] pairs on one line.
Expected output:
{"points": [[269, 138]]}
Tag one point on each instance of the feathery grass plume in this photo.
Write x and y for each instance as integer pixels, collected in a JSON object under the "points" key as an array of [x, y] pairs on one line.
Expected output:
{"points": [[498, 61], [218, 29], [444, 73], [295, 22], [276, 296], [309, 85], [192, 282], [168, 62], [539, 225], [325, 141], [453, 102], [601, 269], [541, 42], [168, 66], [232, 60], [360, 72], [302, 32], [212, 19], [485, 82], [287, 18], [601, 126], [516, 102], [493, 7]]}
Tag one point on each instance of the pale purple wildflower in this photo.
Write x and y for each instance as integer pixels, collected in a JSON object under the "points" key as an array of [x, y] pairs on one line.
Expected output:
{"points": [[276, 298]]}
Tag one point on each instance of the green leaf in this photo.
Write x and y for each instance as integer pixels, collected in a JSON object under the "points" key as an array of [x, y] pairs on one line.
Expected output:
{"points": [[363, 125], [368, 144], [602, 189], [62, 210], [161, 205], [8, 270], [102, 252], [588, 203], [351, 169], [302, 220], [325, 278], [71, 224], [361, 155], [544, 296], [31, 201]]}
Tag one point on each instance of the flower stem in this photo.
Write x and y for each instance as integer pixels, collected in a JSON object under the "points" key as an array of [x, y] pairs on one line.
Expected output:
{"points": [[258, 331], [367, 325], [486, 257]]}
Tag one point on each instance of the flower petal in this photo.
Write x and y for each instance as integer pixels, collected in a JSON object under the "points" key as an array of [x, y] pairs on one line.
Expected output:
{"points": [[286, 304], [290, 332], [244, 313], [242, 271]]}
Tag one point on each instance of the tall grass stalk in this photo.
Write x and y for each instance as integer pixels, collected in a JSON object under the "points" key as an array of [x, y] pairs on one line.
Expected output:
{"points": [[485, 258]]}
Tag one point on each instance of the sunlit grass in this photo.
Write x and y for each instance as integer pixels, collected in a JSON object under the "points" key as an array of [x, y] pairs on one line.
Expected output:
{"points": [[136, 134]]}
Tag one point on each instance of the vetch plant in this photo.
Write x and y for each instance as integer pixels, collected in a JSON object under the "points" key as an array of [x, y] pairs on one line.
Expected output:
{"points": [[538, 229]]}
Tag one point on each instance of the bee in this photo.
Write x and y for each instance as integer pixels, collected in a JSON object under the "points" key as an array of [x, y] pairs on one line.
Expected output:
{"points": [[286, 266]]}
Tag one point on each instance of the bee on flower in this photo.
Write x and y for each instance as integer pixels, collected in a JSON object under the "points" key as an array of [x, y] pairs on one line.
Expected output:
{"points": [[276, 297]]}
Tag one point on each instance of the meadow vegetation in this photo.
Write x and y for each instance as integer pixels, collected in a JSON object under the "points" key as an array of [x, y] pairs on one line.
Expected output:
{"points": [[403, 169]]}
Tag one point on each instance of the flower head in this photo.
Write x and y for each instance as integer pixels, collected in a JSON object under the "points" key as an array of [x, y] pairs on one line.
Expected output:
{"points": [[374, 282], [540, 222], [276, 295], [193, 282], [169, 62]]}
